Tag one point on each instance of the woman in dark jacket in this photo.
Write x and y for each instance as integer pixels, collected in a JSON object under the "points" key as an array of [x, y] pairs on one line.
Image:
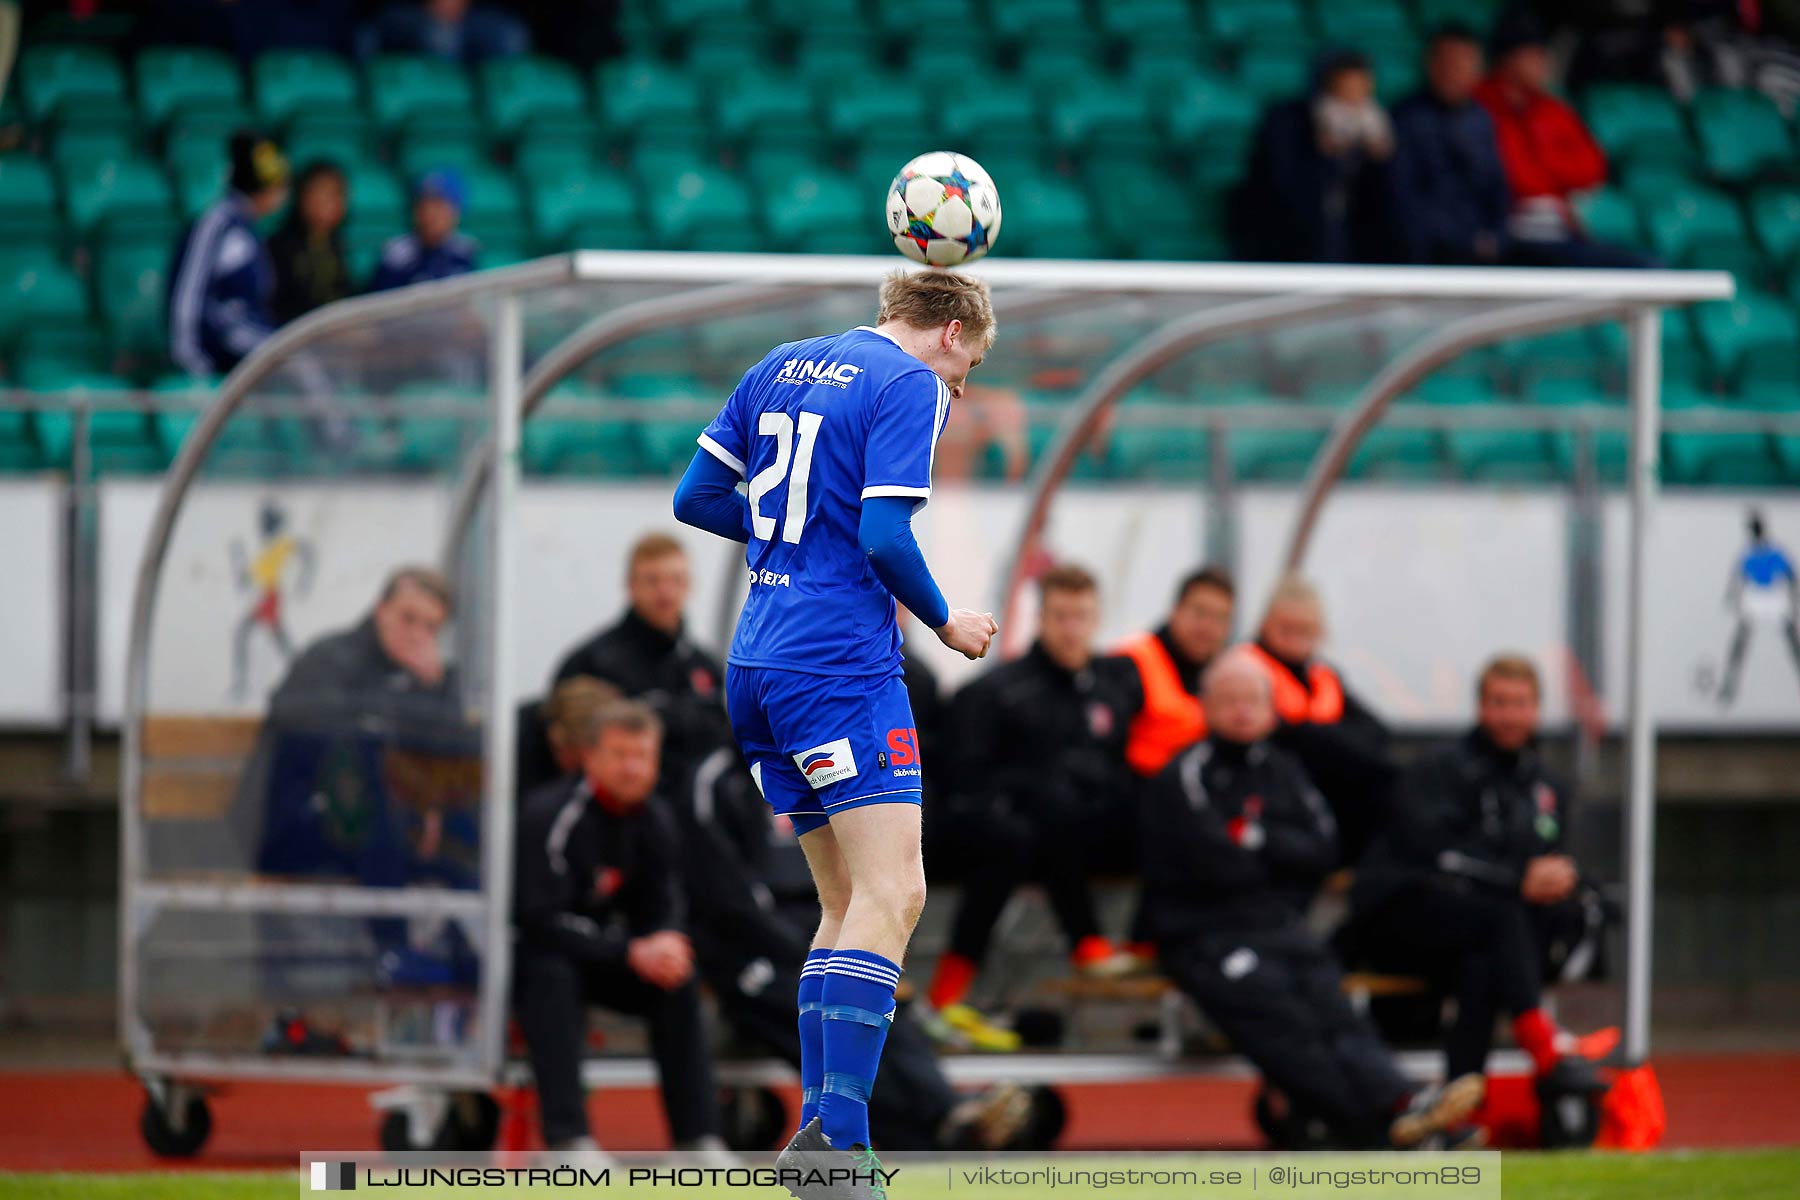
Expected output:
{"points": [[308, 249]]}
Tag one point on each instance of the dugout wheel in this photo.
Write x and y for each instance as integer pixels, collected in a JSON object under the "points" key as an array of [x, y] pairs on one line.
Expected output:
{"points": [[754, 1118], [177, 1125], [470, 1121]]}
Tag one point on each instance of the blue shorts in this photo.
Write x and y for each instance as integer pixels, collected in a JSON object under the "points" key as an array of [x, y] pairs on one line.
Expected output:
{"points": [[821, 744]]}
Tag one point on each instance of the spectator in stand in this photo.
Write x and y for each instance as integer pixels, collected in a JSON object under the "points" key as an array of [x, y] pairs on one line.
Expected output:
{"points": [[1340, 742], [308, 249], [1321, 181], [1471, 883], [223, 280], [434, 249], [1447, 161], [1550, 157], [1235, 840], [454, 30]]}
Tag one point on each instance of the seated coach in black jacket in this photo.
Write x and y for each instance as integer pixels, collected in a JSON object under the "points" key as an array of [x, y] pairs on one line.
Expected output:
{"points": [[1235, 840], [648, 656], [1471, 883], [599, 920]]}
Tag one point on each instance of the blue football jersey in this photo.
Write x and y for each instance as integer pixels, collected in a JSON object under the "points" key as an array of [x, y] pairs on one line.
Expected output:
{"points": [[817, 427]]}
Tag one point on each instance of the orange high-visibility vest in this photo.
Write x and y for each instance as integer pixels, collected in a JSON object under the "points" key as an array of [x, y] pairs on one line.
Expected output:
{"points": [[1171, 719], [1318, 701]]}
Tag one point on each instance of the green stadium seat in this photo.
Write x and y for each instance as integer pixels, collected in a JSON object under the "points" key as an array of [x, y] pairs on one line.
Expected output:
{"points": [[555, 151], [1633, 121], [378, 204], [1023, 23], [665, 447], [118, 193], [1749, 265], [1686, 214], [1139, 24], [81, 149], [635, 93], [1398, 68], [493, 214], [1149, 203], [27, 202], [600, 205], [558, 442], [289, 83], [521, 92], [420, 150], [798, 17], [1728, 328], [1047, 68], [1394, 454], [198, 184], [1740, 133], [1233, 22], [403, 87], [702, 208], [1610, 216], [129, 280], [1769, 377], [202, 132], [1649, 181], [1159, 68], [763, 109], [861, 111], [1738, 458], [824, 214], [999, 113], [1361, 22], [1088, 112], [172, 77], [1178, 455], [685, 17], [1610, 447], [38, 296], [122, 438], [904, 24], [331, 136], [1478, 14], [1792, 288], [836, 56], [1775, 216], [53, 74], [1046, 216], [1274, 72]]}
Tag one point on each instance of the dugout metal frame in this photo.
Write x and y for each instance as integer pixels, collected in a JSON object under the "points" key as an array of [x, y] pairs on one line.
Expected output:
{"points": [[1257, 298]]}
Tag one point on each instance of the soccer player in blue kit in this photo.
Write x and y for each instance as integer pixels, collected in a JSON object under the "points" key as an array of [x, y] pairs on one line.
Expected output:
{"points": [[835, 437]]}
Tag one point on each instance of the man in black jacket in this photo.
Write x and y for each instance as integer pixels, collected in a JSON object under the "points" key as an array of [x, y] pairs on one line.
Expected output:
{"points": [[647, 655], [1470, 883], [1450, 181], [1043, 790], [1338, 739], [1235, 840], [599, 918]]}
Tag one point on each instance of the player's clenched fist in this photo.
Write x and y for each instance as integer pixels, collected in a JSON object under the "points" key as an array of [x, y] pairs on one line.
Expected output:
{"points": [[968, 632]]}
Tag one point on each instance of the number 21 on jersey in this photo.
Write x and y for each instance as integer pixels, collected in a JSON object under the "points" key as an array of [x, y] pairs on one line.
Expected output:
{"points": [[780, 426]]}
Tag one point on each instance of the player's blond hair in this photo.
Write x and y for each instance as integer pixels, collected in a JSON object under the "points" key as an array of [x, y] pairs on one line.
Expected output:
{"points": [[929, 299]]}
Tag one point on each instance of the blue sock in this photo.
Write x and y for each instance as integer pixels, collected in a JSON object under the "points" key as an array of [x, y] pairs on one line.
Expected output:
{"points": [[857, 1007], [812, 1038]]}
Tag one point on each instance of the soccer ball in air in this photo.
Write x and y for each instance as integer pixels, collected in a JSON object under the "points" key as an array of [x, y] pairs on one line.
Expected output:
{"points": [[942, 209]]}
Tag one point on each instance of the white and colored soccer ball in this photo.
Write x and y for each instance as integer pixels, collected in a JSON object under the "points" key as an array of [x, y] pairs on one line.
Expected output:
{"points": [[943, 209]]}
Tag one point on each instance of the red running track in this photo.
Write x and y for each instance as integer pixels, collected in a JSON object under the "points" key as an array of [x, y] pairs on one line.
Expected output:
{"points": [[87, 1121]]}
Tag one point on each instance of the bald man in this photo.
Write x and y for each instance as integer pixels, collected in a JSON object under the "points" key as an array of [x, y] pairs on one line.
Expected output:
{"points": [[1235, 840]]}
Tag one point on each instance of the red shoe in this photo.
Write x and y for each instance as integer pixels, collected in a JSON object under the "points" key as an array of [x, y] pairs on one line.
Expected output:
{"points": [[1095, 957]]}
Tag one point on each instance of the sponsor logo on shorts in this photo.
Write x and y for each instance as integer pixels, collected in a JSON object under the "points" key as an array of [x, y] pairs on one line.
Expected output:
{"points": [[825, 765], [903, 752]]}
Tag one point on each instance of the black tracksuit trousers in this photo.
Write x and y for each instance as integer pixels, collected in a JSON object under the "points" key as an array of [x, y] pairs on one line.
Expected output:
{"points": [[1278, 998], [551, 994]]}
